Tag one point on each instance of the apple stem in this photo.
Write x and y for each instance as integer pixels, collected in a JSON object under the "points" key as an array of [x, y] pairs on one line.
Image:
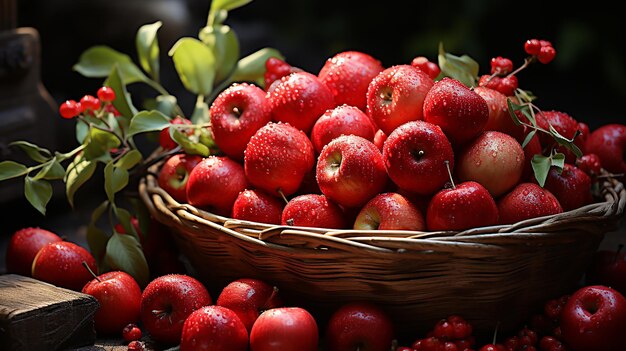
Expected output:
{"points": [[90, 271], [280, 192], [495, 333], [450, 173]]}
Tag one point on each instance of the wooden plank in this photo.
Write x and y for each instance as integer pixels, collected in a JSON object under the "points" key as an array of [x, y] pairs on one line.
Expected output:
{"points": [[39, 316]]}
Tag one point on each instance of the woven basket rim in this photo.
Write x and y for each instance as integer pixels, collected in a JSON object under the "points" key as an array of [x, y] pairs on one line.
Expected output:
{"points": [[595, 218]]}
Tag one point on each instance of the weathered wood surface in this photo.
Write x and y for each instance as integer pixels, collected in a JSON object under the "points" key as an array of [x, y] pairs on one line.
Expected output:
{"points": [[39, 316]]}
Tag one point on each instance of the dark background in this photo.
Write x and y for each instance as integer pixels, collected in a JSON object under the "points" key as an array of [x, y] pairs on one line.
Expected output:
{"points": [[585, 80]]}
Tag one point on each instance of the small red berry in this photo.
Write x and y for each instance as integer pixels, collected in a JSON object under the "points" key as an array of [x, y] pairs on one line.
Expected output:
{"points": [[527, 336], [493, 347], [545, 43], [106, 94], [589, 164], [131, 332], [501, 65], [135, 346], [430, 68], [404, 348], [89, 103], [546, 54], [69, 109], [532, 46], [505, 85]]}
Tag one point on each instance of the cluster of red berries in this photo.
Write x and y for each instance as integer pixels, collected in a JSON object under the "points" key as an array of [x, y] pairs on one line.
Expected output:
{"points": [[548, 324], [88, 103], [132, 335], [503, 77], [542, 49], [451, 334]]}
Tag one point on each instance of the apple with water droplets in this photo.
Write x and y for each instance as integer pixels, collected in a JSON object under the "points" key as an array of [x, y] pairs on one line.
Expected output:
{"points": [[350, 171], [257, 206], [396, 96], [277, 158], [527, 200], [494, 159], [389, 211], [236, 114], [313, 210], [348, 75], [415, 155], [342, 120]]}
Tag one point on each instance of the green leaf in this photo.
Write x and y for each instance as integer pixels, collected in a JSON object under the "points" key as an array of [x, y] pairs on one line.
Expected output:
{"points": [[100, 143], [11, 169], [224, 44], [512, 108], [188, 145], [82, 130], [166, 104], [148, 48], [52, 170], [195, 64], [529, 137], [98, 61], [541, 166], [200, 113], [123, 102], [124, 253], [115, 179], [228, 4], [558, 160], [252, 67], [129, 160], [147, 121], [38, 192], [78, 172], [462, 68], [36, 153], [96, 237]]}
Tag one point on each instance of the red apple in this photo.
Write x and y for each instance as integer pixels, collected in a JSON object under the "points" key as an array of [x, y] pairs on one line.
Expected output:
{"points": [[342, 119], [571, 186], [359, 326], [165, 140], [350, 170], [119, 297], [285, 329], [167, 301], [277, 158], [214, 328], [527, 200], [565, 124], [594, 318], [396, 96], [460, 112], [236, 114], [215, 183], [300, 99], [415, 155], [499, 117], [590, 164], [493, 159], [430, 68], [389, 211], [312, 210], [348, 75], [257, 206], [61, 263], [608, 268], [609, 143], [23, 247], [530, 150], [174, 175], [248, 298], [464, 206]]}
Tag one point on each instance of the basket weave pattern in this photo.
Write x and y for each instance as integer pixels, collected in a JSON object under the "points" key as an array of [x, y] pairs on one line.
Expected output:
{"points": [[488, 275]]}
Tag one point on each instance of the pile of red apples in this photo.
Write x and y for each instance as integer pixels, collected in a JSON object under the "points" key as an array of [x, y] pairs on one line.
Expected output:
{"points": [[361, 146]]}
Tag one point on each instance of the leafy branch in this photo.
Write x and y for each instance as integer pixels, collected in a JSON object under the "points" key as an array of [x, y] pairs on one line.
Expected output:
{"points": [[205, 65]]}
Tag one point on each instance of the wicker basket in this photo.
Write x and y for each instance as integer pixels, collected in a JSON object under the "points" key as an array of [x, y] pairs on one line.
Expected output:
{"points": [[488, 275]]}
